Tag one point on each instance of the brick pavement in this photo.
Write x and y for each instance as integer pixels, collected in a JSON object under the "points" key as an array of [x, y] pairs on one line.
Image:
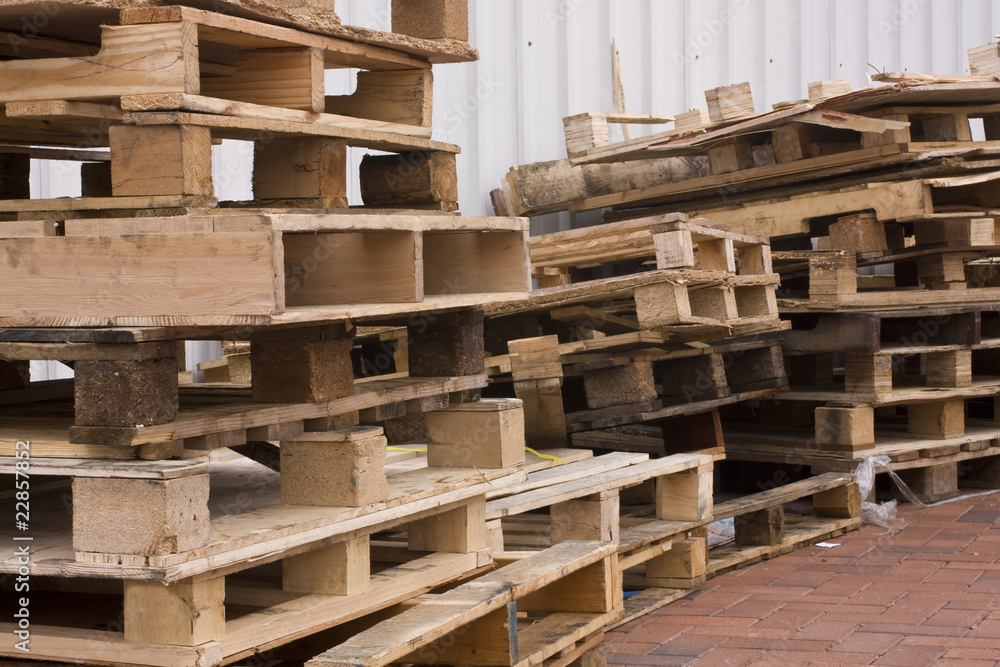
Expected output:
{"points": [[929, 595]]}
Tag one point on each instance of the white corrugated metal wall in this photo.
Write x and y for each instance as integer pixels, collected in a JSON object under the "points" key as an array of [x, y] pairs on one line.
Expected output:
{"points": [[541, 60]]}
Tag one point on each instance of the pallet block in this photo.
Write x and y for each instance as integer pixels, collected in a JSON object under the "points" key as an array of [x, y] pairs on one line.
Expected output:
{"points": [[149, 517], [305, 366], [308, 168], [484, 434], [729, 102], [423, 179], [432, 19], [449, 344], [537, 373], [932, 483], [128, 393], [938, 419], [852, 428], [626, 384], [340, 468], [167, 160], [187, 613], [458, 530], [683, 566]]}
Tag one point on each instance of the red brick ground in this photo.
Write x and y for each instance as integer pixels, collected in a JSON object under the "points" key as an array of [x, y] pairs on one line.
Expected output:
{"points": [[929, 595]]}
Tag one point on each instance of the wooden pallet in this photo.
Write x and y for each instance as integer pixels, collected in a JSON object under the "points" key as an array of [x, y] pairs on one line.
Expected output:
{"points": [[804, 141], [824, 281], [889, 330], [76, 30], [125, 399], [258, 269], [903, 374], [765, 530], [674, 241], [656, 300], [628, 379], [227, 597], [934, 469], [549, 608], [180, 78]]}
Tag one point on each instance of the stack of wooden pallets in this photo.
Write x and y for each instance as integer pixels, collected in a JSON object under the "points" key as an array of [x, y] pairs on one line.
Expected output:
{"points": [[339, 490], [208, 524], [672, 341], [880, 207]]}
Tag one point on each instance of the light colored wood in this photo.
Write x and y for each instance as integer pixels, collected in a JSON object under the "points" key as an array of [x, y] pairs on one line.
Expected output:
{"points": [[867, 373], [729, 102], [819, 90], [472, 262], [840, 502], [592, 518], [692, 120], [603, 481], [293, 167], [125, 276], [685, 496], [937, 419], [593, 589], [674, 250], [780, 495], [458, 530], [339, 569], [338, 268], [56, 109], [490, 640], [984, 60], [344, 46], [204, 104], [424, 624], [247, 415], [534, 358], [169, 160], [730, 156], [949, 369], [148, 517], [681, 567], [488, 434], [393, 96], [186, 613], [132, 60], [249, 129], [850, 427], [342, 468], [289, 77], [585, 131]]}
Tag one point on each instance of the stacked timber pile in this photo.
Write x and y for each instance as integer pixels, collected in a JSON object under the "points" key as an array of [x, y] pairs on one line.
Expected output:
{"points": [[671, 344], [880, 206], [206, 524]]}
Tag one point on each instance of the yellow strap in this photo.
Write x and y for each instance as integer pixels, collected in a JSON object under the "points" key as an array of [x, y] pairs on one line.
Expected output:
{"points": [[545, 456], [405, 449]]}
